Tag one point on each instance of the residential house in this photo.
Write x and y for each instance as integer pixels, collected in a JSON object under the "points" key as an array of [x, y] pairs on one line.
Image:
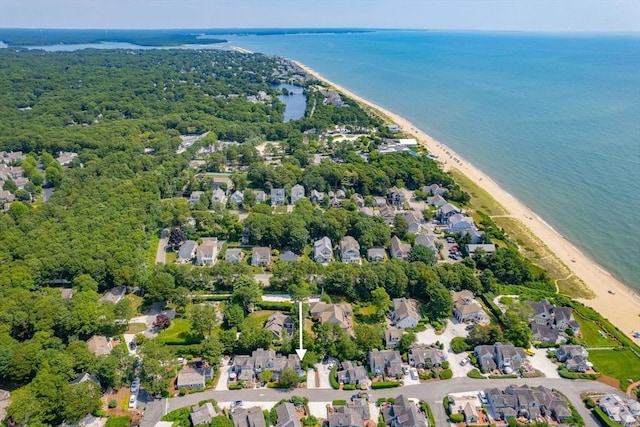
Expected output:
{"points": [[392, 337], [466, 308], [488, 249], [190, 378], [344, 416], [187, 252], [625, 412], [99, 345], [544, 333], [387, 363], [202, 414], [234, 255], [287, 415], [8, 157], [6, 197], [530, 403], [349, 250], [252, 417], [260, 256], [388, 214], [467, 406], [446, 212], [66, 293], [195, 197], [352, 373], [297, 193], [379, 201], [248, 368], [84, 377], [458, 223], [237, 198], [261, 196], [424, 357], [322, 250], [340, 195], [505, 357], [395, 196], [428, 240], [288, 256], [335, 314], [398, 249], [278, 196], [317, 196], [574, 357], [358, 200], [414, 221], [547, 315], [207, 252], [376, 254], [219, 196], [280, 325], [114, 295], [403, 413], [436, 200], [563, 319], [66, 157], [405, 313], [434, 190], [542, 312]]}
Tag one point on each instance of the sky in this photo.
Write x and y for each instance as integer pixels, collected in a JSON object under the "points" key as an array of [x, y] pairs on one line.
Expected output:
{"points": [[501, 15]]}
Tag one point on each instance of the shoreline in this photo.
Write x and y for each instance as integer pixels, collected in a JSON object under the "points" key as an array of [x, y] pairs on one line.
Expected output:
{"points": [[621, 308]]}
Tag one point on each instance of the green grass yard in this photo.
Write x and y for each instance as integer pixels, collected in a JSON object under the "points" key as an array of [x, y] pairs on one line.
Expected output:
{"points": [[119, 421], [179, 333], [593, 335], [257, 319], [621, 364]]}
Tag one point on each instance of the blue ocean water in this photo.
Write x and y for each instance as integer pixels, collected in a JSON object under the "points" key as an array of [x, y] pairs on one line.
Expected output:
{"points": [[554, 119]]}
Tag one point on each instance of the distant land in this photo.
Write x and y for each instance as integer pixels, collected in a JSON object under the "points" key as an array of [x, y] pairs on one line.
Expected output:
{"points": [[19, 37]]}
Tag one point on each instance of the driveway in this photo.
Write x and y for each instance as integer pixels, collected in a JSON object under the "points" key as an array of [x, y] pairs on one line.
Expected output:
{"points": [[323, 376], [453, 329], [161, 252], [541, 362], [454, 364], [311, 379], [224, 375]]}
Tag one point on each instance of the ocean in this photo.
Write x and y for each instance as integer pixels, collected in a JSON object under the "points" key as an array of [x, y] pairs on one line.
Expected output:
{"points": [[554, 119]]}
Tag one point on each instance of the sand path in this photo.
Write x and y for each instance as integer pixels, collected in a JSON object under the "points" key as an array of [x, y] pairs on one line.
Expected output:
{"points": [[614, 300]]}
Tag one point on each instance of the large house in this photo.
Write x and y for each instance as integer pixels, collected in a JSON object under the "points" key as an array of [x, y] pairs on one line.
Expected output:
{"points": [[574, 357], [505, 357], [376, 254], [297, 193], [349, 250], [248, 368], [388, 214], [287, 415], [403, 413], [548, 321], [322, 250], [446, 212], [187, 252], [260, 256], [386, 363], [405, 313], [99, 345], [466, 308], [278, 196], [459, 223], [421, 357], [625, 412], [398, 249], [280, 325], [207, 252], [251, 417], [335, 314], [190, 379], [202, 414], [352, 373], [395, 196], [437, 200], [530, 403], [344, 416]]}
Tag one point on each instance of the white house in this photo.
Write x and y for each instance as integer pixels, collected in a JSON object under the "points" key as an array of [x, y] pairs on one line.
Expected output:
{"points": [[219, 196], [322, 250], [207, 252], [297, 193], [349, 250], [405, 313], [277, 196], [398, 249]]}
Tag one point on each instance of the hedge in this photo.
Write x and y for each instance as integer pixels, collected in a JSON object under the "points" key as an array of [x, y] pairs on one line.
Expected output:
{"points": [[604, 418], [274, 305], [427, 410], [348, 387], [446, 374], [235, 386], [565, 373], [384, 384], [218, 297], [502, 377], [333, 378], [475, 373], [456, 418], [339, 402], [445, 403]]}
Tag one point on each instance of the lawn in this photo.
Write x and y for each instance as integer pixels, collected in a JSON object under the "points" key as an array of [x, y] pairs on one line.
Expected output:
{"points": [[592, 336], [257, 319], [179, 333], [119, 421], [621, 364], [136, 328]]}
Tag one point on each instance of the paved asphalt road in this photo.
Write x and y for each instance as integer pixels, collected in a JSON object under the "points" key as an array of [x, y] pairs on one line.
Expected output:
{"points": [[432, 392]]}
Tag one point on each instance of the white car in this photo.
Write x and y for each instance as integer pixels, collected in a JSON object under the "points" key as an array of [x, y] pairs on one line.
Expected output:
{"points": [[133, 400], [483, 397], [414, 373], [464, 361]]}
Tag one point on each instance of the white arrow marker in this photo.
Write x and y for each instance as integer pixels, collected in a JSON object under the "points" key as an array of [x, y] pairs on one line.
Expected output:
{"points": [[301, 351]]}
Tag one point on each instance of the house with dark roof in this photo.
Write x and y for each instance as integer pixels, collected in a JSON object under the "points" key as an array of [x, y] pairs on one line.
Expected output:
{"points": [[344, 416], [403, 413], [248, 368], [436, 200], [387, 363], [376, 254], [544, 333], [424, 357], [278, 196], [187, 252], [297, 193], [405, 313], [446, 212], [280, 325], [399, 250], [531, 403], [505, 357], [202, 414], [251, 417], [288, 256], [574, 357], [260, 256], [287, 415], [395, 196], [352, 373]]}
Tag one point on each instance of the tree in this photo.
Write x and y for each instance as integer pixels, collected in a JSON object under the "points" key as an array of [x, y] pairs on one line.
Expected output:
{"points": [[80, 399], [407, 341], [246, 292], [266, 375], [516, 331], [53, 175], [160, 287], [162, 321], [84, 282], [204, 318], [400, 226], [221, 421], [368, 337], [459, 344], [212, 349], [233, 315], [439, 304], [177, 237], [288, 378], [10, 186], [421, 253], [381, 300]]}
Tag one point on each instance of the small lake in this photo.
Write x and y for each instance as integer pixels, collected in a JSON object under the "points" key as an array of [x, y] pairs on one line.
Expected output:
{"points": [[296, 102]]}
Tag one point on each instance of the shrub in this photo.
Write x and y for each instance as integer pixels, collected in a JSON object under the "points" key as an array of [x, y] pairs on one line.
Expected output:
{"points": [[446, 374], [604, 418], [456, 418], [589, 403], [349, 387], [339, 402], [502, 377], [183, 391], [565, 373], [427, 410], [445, 364], [333, 378], [474, 373], [384, 384], [235, 386], [382, 400], [113, 403], [459, 344], [445, 403]]}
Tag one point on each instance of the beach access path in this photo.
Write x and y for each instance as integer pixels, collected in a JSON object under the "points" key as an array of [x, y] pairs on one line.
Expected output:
{"points": [[613, 300]]}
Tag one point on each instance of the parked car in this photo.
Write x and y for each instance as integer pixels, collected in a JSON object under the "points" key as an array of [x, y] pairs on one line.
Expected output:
{"points": [[133, 400], [414, 373], [464, 361], [237, 404], [468, 327], [483, 397], [132, 345], [405, 370]]}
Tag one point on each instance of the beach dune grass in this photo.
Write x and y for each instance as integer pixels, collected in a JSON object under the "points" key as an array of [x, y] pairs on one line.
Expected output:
{"points": [[480, 199], [621, 364]]}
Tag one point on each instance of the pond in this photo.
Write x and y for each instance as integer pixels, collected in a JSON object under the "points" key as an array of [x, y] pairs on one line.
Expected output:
{"points": [[296, 102]]}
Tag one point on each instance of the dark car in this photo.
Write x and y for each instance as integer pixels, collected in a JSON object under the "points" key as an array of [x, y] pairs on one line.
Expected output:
{"points": [[132, 345]]}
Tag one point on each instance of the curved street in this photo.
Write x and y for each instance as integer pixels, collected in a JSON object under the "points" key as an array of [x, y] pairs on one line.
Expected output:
{"points": [[431, 392]]}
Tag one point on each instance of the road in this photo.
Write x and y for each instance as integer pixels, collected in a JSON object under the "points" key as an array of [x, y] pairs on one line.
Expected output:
{"points": [[162, 250], [432, 393]]}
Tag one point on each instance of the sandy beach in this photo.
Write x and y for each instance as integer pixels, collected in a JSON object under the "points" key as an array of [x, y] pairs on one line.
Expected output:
{"points": [[614, 300]]}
